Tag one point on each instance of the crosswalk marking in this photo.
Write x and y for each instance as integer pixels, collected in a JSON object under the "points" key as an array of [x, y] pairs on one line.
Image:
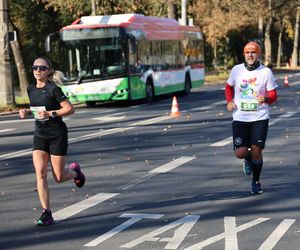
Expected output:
{"points": [[69, 211]]}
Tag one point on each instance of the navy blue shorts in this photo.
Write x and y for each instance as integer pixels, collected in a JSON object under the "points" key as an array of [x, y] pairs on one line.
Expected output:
{"points": [[53, 146], [246, 134]]}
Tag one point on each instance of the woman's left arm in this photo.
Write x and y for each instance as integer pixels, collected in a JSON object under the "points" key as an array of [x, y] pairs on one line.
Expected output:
{"points": [[67, 108]]}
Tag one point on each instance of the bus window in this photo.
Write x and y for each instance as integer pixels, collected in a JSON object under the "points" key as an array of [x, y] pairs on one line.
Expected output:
{"points": [[132, 56], [144, 52]]}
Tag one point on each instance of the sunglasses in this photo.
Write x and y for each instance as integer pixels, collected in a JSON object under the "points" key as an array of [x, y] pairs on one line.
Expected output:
{"points": [[41, 68]]}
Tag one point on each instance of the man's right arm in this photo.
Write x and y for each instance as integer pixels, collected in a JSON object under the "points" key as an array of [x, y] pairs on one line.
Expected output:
{"points": [[229, 94]]}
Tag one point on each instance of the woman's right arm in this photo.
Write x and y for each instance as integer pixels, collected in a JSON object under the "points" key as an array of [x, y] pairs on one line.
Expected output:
{"points": [[23, 113]]}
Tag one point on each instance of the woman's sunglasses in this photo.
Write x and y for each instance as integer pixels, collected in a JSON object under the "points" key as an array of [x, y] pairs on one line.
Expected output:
{"points": [[41, 68]]}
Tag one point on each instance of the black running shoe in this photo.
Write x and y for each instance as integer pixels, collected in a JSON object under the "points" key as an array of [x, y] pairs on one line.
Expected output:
{"points": [[80, 179], [46, 219]]}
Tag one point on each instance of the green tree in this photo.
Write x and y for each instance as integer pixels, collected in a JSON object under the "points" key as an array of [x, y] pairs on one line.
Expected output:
{"points": [[32, 22]]}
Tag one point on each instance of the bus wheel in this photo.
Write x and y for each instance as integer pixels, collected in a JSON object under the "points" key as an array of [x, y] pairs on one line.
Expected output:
{"points": [[90, 103], [149, 91], [187, 84]]}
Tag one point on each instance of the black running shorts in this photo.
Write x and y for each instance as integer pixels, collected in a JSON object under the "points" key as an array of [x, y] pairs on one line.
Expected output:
{"points": [[246, 134], [53, 146]]}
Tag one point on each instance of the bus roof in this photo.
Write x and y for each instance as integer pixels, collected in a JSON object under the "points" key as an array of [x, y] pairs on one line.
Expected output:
{"points": [[154, 28]]}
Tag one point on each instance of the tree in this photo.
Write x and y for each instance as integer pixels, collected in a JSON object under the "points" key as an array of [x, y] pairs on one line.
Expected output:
{"points": [[296, 38], [218, 18]]}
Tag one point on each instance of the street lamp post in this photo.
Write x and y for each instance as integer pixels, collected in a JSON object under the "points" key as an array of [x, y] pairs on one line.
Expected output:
{"points": [[6, 89]]}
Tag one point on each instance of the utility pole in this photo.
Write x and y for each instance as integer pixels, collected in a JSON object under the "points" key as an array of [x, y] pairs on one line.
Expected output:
{"points": [[183, 12], [6, 89], [93, 3]]}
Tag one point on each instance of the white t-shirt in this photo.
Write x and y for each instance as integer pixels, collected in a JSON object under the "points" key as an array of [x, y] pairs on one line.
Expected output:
{"points": [[248, 85]]}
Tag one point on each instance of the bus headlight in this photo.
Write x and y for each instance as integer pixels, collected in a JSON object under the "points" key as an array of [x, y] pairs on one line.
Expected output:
{"points": [[121, 91]]}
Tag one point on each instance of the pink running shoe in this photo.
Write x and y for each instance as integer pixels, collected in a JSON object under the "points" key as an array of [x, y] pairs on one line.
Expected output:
{"points": [[80, 179]]}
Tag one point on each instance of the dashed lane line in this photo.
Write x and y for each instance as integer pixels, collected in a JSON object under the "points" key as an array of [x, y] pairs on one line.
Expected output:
{"points": [[159, 170], [69, 211], [7, 130], [92, 135]]}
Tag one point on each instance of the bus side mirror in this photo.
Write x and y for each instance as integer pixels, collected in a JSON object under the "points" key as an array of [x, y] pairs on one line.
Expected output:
{"points": [[48, 41]]}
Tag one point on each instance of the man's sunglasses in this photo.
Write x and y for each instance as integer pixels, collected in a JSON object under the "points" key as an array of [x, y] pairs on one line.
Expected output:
{"points": [[41, 68]]}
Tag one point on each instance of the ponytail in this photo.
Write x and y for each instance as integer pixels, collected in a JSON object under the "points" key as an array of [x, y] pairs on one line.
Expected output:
{"points": [[57, 77]]}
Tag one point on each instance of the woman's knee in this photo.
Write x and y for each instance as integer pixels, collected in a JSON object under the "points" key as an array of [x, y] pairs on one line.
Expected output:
{"points": [[58, 178], [41, 175]]}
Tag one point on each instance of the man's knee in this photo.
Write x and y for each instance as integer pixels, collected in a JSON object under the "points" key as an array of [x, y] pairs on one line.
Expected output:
{"points": [[256, 152], [241, 153]]}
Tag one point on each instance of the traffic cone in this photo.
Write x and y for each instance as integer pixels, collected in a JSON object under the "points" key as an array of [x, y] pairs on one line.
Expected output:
{"points": [[286, 81], [175, 109]]}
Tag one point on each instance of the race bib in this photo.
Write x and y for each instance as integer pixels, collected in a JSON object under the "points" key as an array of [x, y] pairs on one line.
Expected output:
{"points": [[35, 111], [249, 105]]}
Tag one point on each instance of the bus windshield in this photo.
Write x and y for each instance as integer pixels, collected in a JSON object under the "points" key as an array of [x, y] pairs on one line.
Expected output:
{"points": [[87, 59]]}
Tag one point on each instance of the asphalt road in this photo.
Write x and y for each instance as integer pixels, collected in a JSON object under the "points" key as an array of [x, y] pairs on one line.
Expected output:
{"points": [[157, 182]]}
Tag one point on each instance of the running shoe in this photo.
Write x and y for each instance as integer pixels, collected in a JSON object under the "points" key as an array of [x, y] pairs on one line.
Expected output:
{"points": [[247, 167], [256, 188], [80, 179], [46, 219]]}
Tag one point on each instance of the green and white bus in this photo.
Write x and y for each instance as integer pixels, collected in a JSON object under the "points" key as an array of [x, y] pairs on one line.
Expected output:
{"points": [[128, 57]]}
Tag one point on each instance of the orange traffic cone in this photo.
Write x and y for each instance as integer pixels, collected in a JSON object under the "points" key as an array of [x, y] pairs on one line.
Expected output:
{"points": [[286, 81], [175, 109]]}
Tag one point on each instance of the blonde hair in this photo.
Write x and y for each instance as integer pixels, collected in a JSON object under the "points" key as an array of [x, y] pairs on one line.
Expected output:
{"points": [[57, 77]]}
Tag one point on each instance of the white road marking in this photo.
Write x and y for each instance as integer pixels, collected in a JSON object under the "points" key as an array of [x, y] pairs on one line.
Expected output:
{"points": [[277, 234], [98, 134], [7, 130], [137, 181], [17, 121], [222, 143], [109, 118], [16, 154], [93, 135], [287, 115], [133, 219], [159, 170], [229, 139], [82, 205], [171, 165], [90, 136], [152, 120], [208, 107], [231, 241], [25, 120], [294, 83], [226, 234], [186, 223]]}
